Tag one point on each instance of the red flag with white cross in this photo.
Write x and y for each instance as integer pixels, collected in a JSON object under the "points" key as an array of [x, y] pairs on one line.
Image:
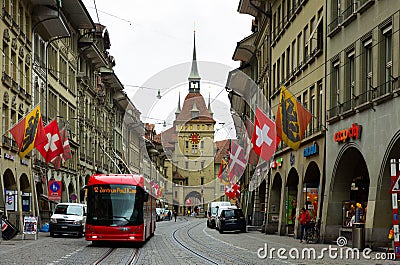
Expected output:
{"points": [[66, 154], [264, 136], [237, 161], [53, 146]]}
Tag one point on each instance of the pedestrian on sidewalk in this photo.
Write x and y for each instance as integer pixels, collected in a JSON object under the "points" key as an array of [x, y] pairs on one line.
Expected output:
{"points": [[169, 215], [304, 217], [175, 214]]}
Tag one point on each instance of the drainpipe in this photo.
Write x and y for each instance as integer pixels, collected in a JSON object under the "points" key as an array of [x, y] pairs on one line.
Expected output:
{"points": [[322, 200]]}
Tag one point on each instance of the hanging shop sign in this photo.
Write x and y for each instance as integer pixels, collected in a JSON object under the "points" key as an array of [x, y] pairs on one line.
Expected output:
{"points": [[311, 150], [276, 163], [292, 159], [9, 157], [354, 132]]}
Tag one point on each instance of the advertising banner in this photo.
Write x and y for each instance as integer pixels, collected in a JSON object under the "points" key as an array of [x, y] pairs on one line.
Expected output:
{"points": [[30, 226]]}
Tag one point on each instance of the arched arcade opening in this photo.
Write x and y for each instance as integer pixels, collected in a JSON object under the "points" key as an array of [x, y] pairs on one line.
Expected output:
{"points": [[349, 189], [291, 200]]}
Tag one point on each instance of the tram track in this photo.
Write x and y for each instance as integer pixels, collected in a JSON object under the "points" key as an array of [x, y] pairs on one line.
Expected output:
{"points": [[196, 253], [227, 258], [113, 254]]}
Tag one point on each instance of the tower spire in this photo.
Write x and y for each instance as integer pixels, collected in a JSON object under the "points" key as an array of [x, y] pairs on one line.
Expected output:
{"points": [[178, 110], [194, 77], [209, 104]]}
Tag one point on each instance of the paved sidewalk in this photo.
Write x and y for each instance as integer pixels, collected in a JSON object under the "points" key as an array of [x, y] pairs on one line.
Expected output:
{"points": [[17, 242]]}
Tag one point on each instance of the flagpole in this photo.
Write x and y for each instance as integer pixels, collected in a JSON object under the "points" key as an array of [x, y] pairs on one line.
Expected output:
{"points": [[3, 192]]}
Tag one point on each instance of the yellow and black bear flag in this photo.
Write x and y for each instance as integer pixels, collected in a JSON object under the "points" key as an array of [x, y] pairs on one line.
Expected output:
{"points": [[291, 119]]}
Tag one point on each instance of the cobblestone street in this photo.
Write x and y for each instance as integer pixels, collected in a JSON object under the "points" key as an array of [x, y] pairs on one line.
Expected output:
{"points": [[187, 241]]}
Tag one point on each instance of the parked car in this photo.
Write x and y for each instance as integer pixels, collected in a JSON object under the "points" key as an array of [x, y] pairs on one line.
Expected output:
{"points": [[68, 218], [231, 220], [219, 211]]}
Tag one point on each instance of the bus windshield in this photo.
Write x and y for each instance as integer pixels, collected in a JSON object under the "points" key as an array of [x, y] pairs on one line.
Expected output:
{"points": [[115, 205]]}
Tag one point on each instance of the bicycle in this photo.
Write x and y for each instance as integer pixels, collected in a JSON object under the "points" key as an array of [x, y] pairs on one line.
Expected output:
{"points": [[312, 233]]}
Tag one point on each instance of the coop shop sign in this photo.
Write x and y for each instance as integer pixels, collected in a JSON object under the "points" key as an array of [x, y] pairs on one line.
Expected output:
{"points": [[310, 150], [354, 132]]}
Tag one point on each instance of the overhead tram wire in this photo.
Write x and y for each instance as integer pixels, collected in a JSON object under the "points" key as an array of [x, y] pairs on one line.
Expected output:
{"points": [[97, 13], [109, 14], [297, 81]]}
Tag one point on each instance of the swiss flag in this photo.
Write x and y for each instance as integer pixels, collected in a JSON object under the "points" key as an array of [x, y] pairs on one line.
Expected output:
{"points": [[264, 136], [229, 192], [236, 189], [232, 191], [53, 146], [237, 161], [66, 153]]}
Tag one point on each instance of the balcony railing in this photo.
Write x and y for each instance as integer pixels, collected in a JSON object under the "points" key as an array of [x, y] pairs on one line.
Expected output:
{"points": [[334, 26], [15, 86], [6, 79], [334, 111], [7, 15], [348, 105], [384, 89], [365, 97], [6, 141], [364, 4], [89, 160], [349, 14]]}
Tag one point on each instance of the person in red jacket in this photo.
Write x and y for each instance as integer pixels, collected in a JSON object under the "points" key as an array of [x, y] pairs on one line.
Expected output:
{"points": [[304, 217]]}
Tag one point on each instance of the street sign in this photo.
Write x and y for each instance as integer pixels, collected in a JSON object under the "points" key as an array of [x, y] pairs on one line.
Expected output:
{"points": [[54, 190], [395, 175]]}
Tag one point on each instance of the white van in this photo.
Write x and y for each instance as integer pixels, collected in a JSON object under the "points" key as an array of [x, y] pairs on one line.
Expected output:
{"points": [[68, 218], [212, 212]]}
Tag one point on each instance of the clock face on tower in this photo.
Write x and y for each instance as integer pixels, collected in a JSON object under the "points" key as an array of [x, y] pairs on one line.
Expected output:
{"points": [[194, 138]]}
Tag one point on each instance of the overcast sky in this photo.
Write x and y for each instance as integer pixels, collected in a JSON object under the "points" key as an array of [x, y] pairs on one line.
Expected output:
{"points": [[150, 36]]}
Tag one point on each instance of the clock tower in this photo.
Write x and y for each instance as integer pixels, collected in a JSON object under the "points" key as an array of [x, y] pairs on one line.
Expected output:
{"points": [[191, 141]]}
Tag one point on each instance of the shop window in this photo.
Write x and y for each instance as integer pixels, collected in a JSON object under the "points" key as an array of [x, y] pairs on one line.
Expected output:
{"points": [[291, 204], [367, 62], [310, 195], [354, 210]]}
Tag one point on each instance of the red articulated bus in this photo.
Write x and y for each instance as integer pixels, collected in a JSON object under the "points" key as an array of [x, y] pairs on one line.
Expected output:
{"points": [[119, 208]]}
